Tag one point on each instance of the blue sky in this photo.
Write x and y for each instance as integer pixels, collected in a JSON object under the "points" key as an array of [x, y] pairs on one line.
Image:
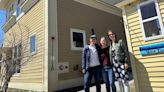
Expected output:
{"points": [[2, 21]]}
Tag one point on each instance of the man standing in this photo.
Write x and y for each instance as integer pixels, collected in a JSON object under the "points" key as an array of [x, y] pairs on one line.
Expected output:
{"points": [[91, 64]]}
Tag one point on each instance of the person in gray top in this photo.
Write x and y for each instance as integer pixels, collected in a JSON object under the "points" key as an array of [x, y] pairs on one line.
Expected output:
{"points": [[118, 57], [91, 64]]}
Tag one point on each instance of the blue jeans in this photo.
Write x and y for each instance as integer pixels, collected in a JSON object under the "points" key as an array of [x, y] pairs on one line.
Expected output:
{"points": [[96, 72], [108, 76]]}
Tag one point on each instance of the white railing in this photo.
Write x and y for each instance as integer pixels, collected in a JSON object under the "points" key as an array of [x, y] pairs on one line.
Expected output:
{"points": [[28, 4]]}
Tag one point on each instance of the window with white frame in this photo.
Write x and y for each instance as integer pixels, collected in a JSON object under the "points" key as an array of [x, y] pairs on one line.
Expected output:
{"points": [[150, 20], [78, 39], [33, 44], [17, 53], [19, 7]]}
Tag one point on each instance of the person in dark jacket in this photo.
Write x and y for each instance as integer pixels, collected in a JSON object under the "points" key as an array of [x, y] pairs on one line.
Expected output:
{"points": [[118, 56], [91, 64], [107, 66]]}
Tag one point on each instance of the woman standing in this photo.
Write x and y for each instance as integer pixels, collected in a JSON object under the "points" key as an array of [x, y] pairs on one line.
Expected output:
{"points": [[107, 66], [119, 59]]}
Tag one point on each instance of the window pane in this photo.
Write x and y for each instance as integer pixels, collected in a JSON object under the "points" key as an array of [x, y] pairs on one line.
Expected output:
{"points": [[78, 39], [148, 10], [18, 66], [32, 44], [18, 11], [15, 52], [19, 50], [152, 28]]}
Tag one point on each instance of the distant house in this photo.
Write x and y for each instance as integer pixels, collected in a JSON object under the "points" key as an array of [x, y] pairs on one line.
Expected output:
{"points": [[143, 21], [51, 33]]}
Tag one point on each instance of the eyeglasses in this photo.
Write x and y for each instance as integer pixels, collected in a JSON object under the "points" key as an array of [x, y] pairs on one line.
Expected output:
{"points": [[111, 34]]}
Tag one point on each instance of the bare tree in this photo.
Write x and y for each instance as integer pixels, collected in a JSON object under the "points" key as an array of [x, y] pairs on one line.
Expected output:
{"points": [[14, 54]]}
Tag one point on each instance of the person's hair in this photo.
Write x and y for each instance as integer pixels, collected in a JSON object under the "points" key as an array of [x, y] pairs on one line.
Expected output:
{"points": [[103, 37], [115, 36]]}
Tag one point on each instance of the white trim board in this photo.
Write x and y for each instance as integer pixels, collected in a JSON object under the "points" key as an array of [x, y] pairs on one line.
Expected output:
{"points": [[101, 6]]}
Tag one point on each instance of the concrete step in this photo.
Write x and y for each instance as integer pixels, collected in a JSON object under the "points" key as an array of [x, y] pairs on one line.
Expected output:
{"points": [[103, 88]]}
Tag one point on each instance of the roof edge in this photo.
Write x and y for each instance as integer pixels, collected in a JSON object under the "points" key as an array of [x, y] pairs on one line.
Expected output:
{"points": [[123, 3]]}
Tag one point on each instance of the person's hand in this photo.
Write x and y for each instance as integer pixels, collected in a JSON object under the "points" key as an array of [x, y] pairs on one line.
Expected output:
{"points": [[126, 66], [83, 70]]}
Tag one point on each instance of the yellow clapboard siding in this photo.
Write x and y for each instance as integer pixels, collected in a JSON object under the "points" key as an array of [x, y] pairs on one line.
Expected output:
{"points": [[157, 84], [32, 67], [30, 74], [138, 39], [163, 19], [136, 36], [156, 69], [136, 52], [138, 56], [35, 26], [134, 27], [149, 69], [135, 31], [161, 6], [131, 10], [154, 64], [29, 66], [133, 20], [28, 77], [158, 89], [33, 64], [33, 76], [137, 44], [134, 24], [149, 56], [155, 59], [162, 15], [39, 42], [35, 57], [33, 70], [160, 2], [135, 15], [156, 74], [147, 42], [39, 72], [34, 80], [156, 79], [135, 48]]}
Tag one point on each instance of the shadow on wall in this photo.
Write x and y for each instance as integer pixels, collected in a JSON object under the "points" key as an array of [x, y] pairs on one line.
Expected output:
{"points": [[141, 75]]}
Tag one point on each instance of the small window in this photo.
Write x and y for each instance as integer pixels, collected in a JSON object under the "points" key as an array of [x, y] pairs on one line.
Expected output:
{"points": [[18, 11], [33, 44], [19, 7], [17, 66], [17, 52], [78, 39], [150, 20]]}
